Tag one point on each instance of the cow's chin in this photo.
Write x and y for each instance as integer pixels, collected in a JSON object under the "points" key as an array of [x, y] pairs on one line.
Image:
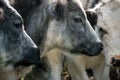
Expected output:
{"points": [[7, 68]]}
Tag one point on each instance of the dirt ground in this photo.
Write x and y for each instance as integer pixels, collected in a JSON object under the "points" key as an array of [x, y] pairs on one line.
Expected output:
{"points": [[114, 74], [66, 76]]}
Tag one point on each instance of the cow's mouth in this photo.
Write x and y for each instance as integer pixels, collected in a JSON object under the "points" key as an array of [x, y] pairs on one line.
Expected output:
{"points": [[31, 57], [86, 51], [26, 62]]}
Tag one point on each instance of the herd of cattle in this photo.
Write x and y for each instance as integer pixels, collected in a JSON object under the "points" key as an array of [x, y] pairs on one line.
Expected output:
{"points": [[82, 34]]}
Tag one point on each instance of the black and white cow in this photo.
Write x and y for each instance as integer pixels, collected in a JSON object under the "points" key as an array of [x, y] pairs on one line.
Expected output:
{"points": [[60, 26], [108, 30]]}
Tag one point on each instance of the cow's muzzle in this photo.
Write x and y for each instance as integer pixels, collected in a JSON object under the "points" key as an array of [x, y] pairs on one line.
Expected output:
{"points": [[31, 57], [89, 49]]}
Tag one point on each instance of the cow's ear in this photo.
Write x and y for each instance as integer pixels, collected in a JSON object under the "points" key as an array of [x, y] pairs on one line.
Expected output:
{"points": [[1, 14], [58, 11]]}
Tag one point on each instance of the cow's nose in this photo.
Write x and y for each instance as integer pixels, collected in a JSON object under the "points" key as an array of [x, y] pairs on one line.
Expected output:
{"points": [[115, 61], [99, 46], [32, 57], [37, 54]]}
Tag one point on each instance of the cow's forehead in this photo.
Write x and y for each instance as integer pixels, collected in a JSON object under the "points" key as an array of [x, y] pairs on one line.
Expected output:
{"points": [[78, 2], [75, 5], [56, 1]]}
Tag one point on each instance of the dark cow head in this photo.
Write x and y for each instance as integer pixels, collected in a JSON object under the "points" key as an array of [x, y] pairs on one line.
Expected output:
{"points": [[16, 47]]}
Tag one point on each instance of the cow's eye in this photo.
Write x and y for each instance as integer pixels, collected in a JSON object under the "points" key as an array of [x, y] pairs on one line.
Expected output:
{"points": [[77, 20], [18, 25]]}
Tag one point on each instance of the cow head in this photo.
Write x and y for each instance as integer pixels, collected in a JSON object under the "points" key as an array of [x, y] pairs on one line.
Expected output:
{"points": [[70, 30], [16, 47]]}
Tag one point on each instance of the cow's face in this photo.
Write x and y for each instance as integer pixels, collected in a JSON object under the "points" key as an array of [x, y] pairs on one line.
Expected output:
{"points": [[109, 19], [71, 30], [16, 47]]}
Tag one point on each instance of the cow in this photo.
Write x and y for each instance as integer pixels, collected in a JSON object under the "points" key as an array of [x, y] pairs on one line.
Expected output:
{"points": [[108, 19], [60, 26], [108, 30], [16, 47], [77, 65]]}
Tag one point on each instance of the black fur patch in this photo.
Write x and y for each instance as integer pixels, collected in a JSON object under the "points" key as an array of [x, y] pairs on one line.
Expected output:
{"points": [[92, 18], [58, 11]]}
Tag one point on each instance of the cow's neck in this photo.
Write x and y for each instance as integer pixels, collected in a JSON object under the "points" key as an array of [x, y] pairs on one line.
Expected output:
{"points": [[37, 24]]}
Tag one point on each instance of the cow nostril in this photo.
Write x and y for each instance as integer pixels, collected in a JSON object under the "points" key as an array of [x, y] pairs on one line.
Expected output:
{"points": [[36, 52], [100, 46]]}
